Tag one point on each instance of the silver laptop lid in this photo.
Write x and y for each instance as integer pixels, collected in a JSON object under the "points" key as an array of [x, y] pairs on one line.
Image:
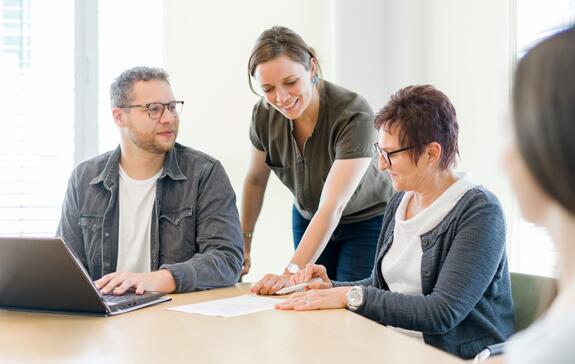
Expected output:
{"points": [[43, 274]]}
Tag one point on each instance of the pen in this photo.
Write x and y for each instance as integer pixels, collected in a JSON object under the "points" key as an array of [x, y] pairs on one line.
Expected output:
{"points": [[297, 287]]}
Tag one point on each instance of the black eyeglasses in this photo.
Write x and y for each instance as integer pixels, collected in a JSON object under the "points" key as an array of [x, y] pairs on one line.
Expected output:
{"points": [[387, 155], [156, 109]]}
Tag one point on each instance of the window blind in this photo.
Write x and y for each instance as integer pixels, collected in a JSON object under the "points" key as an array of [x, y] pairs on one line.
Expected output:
{"points": [[37, 93]]}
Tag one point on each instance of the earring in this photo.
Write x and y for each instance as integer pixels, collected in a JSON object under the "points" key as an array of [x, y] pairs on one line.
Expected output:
{"points": [[315, 79]]}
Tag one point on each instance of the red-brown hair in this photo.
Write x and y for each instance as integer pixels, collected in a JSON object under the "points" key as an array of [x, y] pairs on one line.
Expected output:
{"points": [[422, 114]]}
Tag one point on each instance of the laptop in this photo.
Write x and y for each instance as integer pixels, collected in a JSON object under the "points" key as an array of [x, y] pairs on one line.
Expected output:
{"points": [[43, 274]]}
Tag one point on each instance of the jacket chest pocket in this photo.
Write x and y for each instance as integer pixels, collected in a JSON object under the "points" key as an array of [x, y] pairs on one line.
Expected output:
{"points": [[92, 233], [177, 236]]}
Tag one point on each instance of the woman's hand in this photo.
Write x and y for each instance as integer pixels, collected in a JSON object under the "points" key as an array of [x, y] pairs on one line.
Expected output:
{"points": [[270, 284], [310, 272], [246, 265], [316, 299]]}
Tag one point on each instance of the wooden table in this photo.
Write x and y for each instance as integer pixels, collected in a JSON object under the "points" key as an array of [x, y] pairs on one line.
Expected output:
{"points": [[154, 334]]}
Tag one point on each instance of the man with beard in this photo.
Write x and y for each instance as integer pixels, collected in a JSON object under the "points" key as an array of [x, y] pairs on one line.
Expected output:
{"points": [[152, 215]]}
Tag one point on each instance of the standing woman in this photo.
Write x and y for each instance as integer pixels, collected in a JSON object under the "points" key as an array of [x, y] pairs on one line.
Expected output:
{"points": [[317, 137]]}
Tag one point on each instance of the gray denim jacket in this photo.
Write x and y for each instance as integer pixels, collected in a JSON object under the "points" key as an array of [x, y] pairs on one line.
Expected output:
{"points": [[195, 231]]}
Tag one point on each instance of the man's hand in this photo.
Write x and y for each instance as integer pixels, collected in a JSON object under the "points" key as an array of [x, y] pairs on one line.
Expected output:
{"points": [[247, 263], [120, 282]]}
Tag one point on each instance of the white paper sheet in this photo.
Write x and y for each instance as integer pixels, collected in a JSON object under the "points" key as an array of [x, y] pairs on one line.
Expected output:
{"points": [[230, 307]]}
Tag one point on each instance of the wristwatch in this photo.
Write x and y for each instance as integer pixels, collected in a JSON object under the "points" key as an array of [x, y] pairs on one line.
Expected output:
{"points": [[354, 298], [292, 268]]}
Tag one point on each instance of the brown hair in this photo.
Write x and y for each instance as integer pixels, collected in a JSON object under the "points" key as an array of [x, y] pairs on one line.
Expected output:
{"points": [[278, 41], [544, 115], [423, 115]]}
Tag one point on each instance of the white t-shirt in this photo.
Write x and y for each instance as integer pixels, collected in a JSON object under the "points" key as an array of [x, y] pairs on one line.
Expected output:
{"points": [[136, 204], [550, 341], [401, 265]]}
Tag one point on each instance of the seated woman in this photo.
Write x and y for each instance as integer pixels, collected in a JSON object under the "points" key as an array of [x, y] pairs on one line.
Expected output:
{"points": [[541, 168], [441, 271]]}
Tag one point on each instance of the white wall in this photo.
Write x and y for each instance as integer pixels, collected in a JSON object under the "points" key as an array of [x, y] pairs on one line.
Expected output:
{"points": [[207, 49], [373, 47], [378, 46], [469, 57], [462, 47]]}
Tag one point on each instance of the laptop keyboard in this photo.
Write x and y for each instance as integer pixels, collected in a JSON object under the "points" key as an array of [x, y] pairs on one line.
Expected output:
{"points": [[129, 299]]}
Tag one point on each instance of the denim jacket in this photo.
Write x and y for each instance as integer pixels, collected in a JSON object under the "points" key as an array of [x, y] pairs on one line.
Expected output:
{"points": [[195, 231], [466, 302]]}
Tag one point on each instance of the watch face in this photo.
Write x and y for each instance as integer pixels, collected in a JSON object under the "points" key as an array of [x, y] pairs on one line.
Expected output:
{"points": [[355, 297]]}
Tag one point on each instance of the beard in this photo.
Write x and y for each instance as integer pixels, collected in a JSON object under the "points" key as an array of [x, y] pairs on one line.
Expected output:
{"points": [[147, 140]]}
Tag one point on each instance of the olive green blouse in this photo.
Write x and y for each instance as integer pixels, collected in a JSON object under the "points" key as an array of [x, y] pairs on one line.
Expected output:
{"points": [[344, 130]]}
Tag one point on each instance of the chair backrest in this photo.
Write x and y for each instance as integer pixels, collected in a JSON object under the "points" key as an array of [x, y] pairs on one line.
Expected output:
{"points": [[532, 295]]}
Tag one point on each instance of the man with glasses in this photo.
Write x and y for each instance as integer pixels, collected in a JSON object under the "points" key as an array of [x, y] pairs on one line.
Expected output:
{"points": [[152, 215]]}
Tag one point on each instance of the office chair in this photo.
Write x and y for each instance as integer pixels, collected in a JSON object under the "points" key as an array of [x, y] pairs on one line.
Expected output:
{"points": [[532, 295]]}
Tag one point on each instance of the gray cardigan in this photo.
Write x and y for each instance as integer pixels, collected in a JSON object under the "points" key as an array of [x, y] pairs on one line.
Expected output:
{"points": [[466, 302]]}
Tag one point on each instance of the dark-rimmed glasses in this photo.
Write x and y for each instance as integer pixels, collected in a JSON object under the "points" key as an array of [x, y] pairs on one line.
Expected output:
{"points": [[387, 155], [156, 109]]}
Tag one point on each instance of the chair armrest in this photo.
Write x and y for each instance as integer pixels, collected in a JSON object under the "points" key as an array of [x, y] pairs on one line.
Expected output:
{"points": [[489, 351]]}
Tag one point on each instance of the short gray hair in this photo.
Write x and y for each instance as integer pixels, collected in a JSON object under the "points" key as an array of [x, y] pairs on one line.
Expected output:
{"points": [[121, 88]]}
